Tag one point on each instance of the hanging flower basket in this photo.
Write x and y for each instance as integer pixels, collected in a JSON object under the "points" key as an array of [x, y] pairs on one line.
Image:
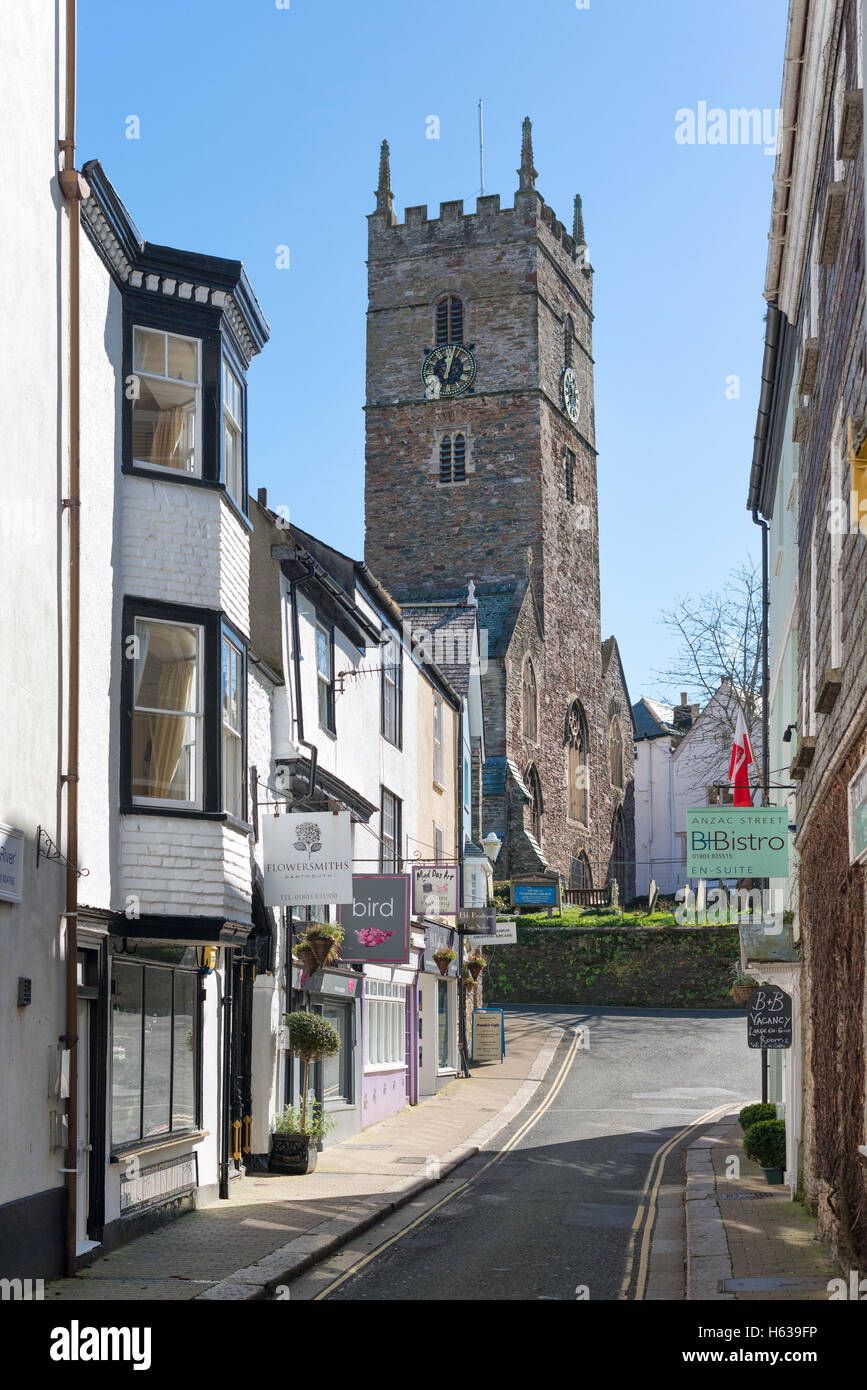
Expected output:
{"points": [[444, 958], [323, 938], [307, 959], [476, 965]]}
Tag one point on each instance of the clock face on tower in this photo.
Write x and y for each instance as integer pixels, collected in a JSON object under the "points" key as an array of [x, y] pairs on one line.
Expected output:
{"points": [[448, 371], [571, 394]]}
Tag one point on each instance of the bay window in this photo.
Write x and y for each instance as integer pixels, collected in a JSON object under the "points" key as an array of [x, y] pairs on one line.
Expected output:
{"points": [[384, 1024], [166, 393], [233, 449], [167, 712], [184, 686]]}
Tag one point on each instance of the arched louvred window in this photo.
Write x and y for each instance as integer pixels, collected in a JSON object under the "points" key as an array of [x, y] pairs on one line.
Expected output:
{"points": [[568, 340], [576, 761], [446, 459], [449, 320], [615, 752], [534, 787], [459, 458], [528, 702], [453, 458]]}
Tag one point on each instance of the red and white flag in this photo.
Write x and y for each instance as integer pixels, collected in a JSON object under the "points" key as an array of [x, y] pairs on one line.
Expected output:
{"points": [[742, 756]]}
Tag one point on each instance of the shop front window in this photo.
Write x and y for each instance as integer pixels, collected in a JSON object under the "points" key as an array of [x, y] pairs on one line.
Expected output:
{"points": [[385, 1024], [155, 1027], [443, 1033], [337, 1070]]}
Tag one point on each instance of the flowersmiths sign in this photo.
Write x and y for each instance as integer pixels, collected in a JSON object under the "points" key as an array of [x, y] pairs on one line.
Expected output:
{"points": [[737, 842], [307, 858]]}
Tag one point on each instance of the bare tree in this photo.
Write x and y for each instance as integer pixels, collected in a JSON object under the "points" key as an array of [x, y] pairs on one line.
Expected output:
{"points": [[719, 661]]}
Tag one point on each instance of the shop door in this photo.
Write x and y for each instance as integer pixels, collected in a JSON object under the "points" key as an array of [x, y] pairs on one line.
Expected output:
{"points": [[85, 1147]]}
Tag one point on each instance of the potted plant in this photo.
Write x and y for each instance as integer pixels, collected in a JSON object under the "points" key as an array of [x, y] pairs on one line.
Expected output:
{"points": [[443, 957], [476, 963], [742, 987], [324, 938], [765, 1144], [294, 1147], [310, 1037], [467, 980]]}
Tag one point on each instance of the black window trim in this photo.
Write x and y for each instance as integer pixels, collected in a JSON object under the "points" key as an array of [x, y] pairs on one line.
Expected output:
{"points": [[319, 621], [204, 324], [214, 623], [393, 653], [396, 865]]}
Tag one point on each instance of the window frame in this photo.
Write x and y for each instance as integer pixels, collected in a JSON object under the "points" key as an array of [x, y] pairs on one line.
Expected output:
{"points": [[439, 760], [391, 664], [160, 469], [569, 467], [582, 744], [198, 715], [327, 629], [385, 1024], [448, 297], [214, 623], [230, 362], [229, 638], [203, 323], [444, 991], [390, 863]]}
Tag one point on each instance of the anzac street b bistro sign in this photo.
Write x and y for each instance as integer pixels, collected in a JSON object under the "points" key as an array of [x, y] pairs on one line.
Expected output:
{"points": [[737, 842]]}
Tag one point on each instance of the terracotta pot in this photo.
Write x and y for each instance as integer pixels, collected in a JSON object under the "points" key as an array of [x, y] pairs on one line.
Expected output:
{"points": [[307, 959], [443, 962], [321, 946], [475, 968], [741, 993]]}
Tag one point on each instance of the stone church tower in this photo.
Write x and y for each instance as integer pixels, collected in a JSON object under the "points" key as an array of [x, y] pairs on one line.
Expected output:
{"points": [[481, 465]]}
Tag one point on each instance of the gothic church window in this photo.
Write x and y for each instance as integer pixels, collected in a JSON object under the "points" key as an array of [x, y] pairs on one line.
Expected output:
{"points": [[449, 320], [453, 459], [580, 875], [617, 867], [615, 752], [534, 787], [529, 702], [568, 340], [576, 762]]}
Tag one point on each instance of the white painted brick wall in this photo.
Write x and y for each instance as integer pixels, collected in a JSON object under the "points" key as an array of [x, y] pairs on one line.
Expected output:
{"points": [[184, 545], [185, 867]]}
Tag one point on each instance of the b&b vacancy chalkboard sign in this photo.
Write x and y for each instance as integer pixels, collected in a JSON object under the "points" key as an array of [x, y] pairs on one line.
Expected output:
{"points": [[769, 1018]]}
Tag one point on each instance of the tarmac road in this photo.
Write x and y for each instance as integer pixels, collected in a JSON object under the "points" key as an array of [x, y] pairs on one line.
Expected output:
{"points": [[548, 1211]]}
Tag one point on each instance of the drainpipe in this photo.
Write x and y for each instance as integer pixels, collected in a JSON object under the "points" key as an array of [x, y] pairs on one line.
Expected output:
{"points": [[766, 677], [226, 1107], [766, 719], [463, 1059], [73, 188]]}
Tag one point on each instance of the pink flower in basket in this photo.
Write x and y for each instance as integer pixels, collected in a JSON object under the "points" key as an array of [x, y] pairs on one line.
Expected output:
{"points": [[372, 936]]}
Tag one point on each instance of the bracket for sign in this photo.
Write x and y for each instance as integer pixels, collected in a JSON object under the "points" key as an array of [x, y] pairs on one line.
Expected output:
{"points": [[47, 849]]}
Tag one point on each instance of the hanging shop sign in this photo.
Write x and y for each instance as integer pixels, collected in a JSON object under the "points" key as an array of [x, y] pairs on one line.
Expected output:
{"points": [[376, 923], [11, 859], [435, 890], [858, 816], [737, 842], [484, 919], [307, 858], [506, 934], [769, 1018], [489, 1035], [527, 894]]}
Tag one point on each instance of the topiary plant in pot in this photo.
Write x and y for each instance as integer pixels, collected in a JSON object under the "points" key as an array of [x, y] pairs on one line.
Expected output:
{"points": [[752, 1114], [765, 1144], [311, 1038]]}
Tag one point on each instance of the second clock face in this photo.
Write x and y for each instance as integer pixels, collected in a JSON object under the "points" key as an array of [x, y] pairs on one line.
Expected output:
{"points": [[448, 371], [571, 395]]}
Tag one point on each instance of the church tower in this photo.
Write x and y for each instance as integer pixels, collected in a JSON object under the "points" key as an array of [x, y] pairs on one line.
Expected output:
{"points": [[481, 464]]}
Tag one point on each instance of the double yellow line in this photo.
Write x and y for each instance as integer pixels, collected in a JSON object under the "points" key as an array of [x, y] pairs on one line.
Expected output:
{"points": [[646, 1212], [497, 1158]]}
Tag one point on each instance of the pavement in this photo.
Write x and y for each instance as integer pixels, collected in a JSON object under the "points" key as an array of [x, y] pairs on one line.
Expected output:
{"points": [[726, 1235], [274, 1227]]}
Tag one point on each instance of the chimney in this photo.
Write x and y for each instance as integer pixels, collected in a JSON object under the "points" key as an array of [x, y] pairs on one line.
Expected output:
{"points": [[683, 714]]}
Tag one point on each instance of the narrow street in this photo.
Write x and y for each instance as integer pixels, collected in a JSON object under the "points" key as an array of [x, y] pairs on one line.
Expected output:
{"points": [[549, 1209]]}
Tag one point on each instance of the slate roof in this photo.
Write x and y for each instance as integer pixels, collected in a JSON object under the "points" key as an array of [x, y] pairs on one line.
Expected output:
{"points": [[498, 609], [653, 719], [494, 777], [451, 627]]}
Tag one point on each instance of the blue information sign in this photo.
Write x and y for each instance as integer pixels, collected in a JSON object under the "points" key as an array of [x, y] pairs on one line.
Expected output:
{"points": [[537, 894], [489, 1035]]}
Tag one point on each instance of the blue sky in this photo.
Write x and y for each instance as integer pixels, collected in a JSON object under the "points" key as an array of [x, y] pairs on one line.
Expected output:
{"points": [[260, 127]]}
